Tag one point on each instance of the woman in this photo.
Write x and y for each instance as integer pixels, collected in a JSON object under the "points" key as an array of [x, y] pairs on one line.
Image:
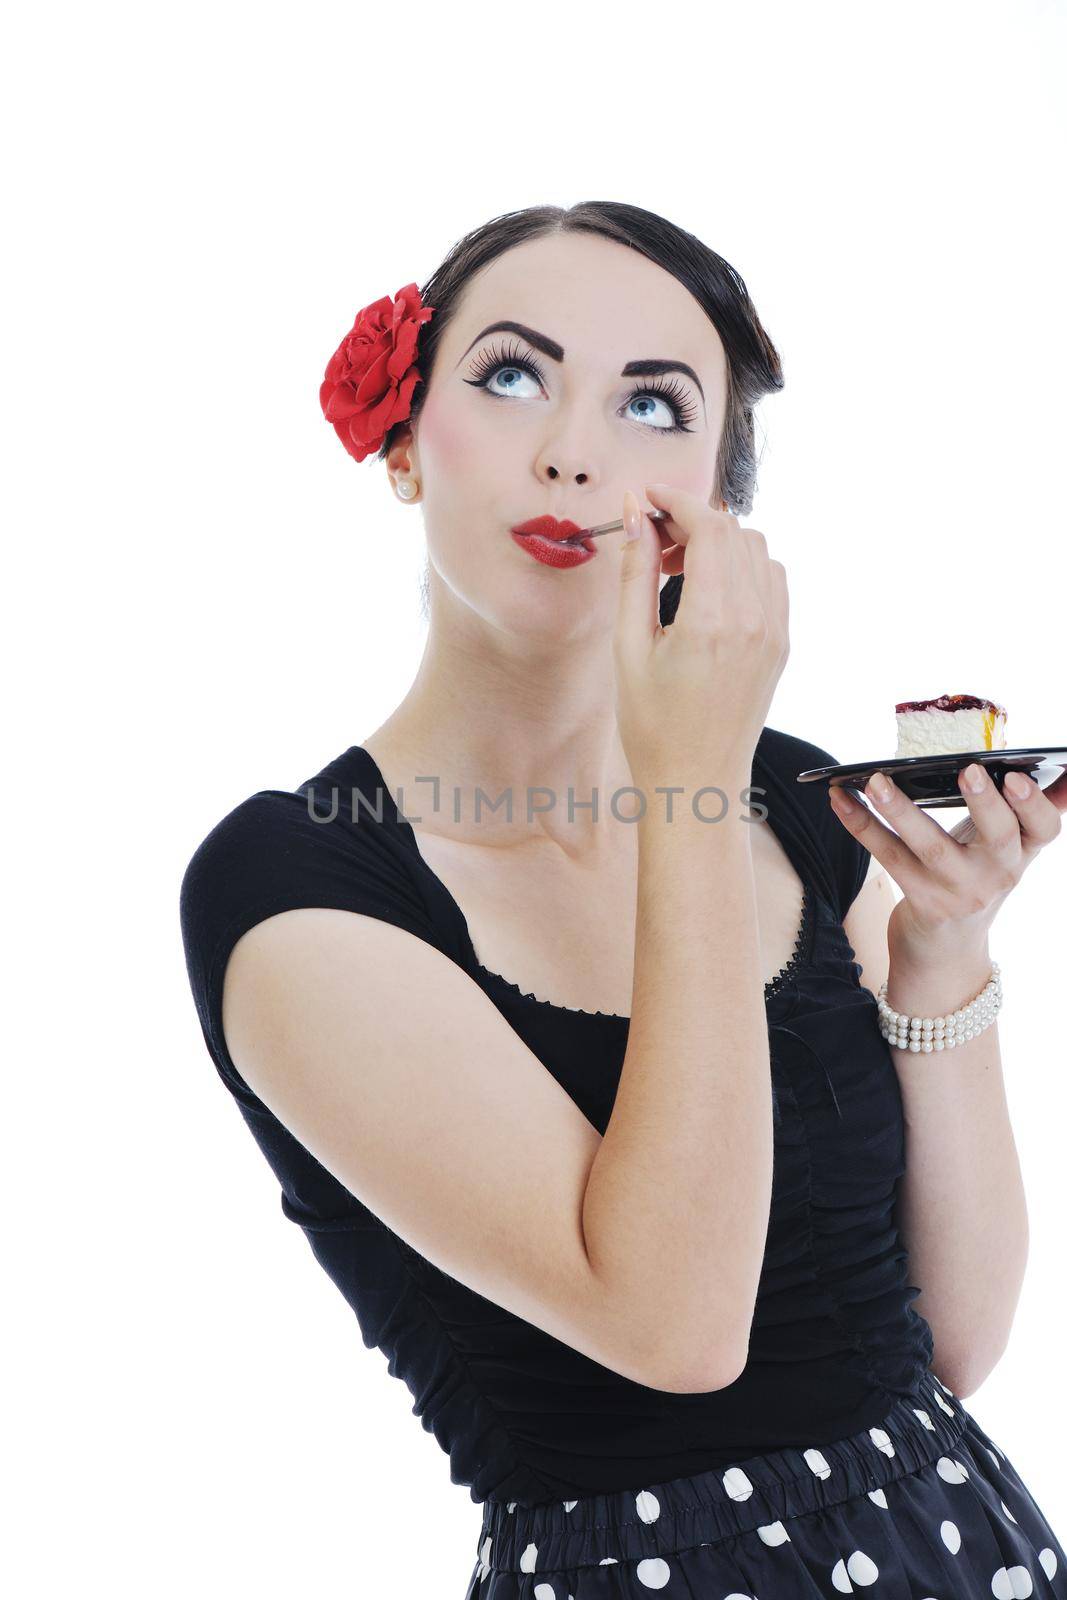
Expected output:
{"points": [[573, 1087]]}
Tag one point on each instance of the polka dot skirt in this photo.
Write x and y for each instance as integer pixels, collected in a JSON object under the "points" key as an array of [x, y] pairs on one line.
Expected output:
{"points": [[923, 1507]]}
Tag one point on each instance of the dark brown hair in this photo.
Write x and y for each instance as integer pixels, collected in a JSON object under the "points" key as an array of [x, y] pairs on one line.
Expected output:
{"points": [[753, 366]]}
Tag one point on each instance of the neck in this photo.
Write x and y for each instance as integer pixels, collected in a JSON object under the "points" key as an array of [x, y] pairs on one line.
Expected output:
{"points": [[492, 711]]}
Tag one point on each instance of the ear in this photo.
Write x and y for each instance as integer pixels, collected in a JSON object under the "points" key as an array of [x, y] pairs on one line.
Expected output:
{"points": [[402, 460]]}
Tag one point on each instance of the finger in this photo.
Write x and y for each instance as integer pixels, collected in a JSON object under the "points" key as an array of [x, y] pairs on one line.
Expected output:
{"points": [[756, 552], [682, 507], [928, 843], [994, 820], [685, 511], [905, 865], [672, 534], [779, 582], [637, 615], [704, 552], [678, 503], [673, 560], [747, 556], [1038, 813], [674, 538]]}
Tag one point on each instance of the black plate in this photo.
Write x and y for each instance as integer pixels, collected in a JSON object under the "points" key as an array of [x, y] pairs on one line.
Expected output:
{"points": [[932, 781]]}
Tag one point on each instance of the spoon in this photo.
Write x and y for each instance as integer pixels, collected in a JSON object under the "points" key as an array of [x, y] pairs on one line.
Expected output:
{"points": [[607, 527]]}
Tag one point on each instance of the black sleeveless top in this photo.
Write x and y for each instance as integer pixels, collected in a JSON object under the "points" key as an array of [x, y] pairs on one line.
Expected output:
{"points": [[523, 1417]]}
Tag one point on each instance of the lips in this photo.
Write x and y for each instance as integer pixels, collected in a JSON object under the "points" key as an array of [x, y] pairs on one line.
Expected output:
{"points": [[548, 527], [542, 538]]}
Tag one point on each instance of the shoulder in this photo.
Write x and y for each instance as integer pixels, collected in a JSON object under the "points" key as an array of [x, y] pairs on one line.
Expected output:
{"points": [[256, 823], [268, 838], [286, 850], [283, 849], [278, 836]]}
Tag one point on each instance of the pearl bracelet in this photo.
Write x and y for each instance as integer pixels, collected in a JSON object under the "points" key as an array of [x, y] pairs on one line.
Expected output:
{"points": [[940, 1033]]}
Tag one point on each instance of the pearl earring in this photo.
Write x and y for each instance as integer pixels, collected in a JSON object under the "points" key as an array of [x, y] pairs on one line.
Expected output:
{"points": [[407, 490]]}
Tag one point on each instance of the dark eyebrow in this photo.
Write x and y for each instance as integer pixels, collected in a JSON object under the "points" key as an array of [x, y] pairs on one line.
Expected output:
{"points": [[646, 368]]}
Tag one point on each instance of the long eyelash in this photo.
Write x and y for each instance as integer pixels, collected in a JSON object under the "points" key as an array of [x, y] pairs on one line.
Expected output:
{"points": [[490, 361], [681, 405]]}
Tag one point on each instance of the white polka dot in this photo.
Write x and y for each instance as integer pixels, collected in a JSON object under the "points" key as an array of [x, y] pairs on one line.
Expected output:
{"points": [[736, 1595], [737, 1484], [878, 1496], [609, 1561], [1007, 1513], [1012, 1583], [512, 1504], [952, 1471], [884, 1443], [861, 1569], [569, 1505], [946, 1388], [924, 1417], [544, 1591], [994, 1458], [487, 1545], [950, 1534], [839, 1578], [1048, 1560], [528, 1559], [818, 1463], [946, 1408], [653, 1572], [647, 1506], [773, 1533]]}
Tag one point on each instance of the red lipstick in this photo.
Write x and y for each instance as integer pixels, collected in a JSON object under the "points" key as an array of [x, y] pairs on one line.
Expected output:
{"points": [[541, 536]]}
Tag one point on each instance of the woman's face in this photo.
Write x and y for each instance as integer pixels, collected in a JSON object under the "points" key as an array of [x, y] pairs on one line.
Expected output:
{"points": [[508, 432]]}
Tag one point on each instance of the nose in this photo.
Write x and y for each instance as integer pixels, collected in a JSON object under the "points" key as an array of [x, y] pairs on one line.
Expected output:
{"points": [[579, 477]]}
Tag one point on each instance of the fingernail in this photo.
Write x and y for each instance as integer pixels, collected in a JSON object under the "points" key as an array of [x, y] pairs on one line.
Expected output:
{"points": [[657, 488], [841, 800], [879, 785], [631, 516], [974, 778], [1017, 784]]}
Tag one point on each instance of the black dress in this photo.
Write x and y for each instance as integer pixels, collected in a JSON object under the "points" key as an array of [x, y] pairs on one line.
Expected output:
{"points": [[837, 1460]]}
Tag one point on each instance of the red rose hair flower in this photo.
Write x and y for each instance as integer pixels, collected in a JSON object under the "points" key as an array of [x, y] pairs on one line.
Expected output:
{"points": [[370, 376]]}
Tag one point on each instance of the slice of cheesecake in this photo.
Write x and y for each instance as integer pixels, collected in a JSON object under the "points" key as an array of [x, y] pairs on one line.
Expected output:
{"points": [[953, 724]]}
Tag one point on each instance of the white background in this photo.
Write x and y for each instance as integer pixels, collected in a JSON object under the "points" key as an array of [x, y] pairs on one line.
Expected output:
{"points": [[206, 597]]}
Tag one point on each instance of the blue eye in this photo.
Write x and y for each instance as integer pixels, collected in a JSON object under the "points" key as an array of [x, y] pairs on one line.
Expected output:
{"points": [[495, 361]]}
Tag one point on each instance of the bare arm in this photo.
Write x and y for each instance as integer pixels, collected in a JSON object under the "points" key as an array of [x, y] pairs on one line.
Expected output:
{"points": [[678, 1198], [388, 1063], [962, 1202]]}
